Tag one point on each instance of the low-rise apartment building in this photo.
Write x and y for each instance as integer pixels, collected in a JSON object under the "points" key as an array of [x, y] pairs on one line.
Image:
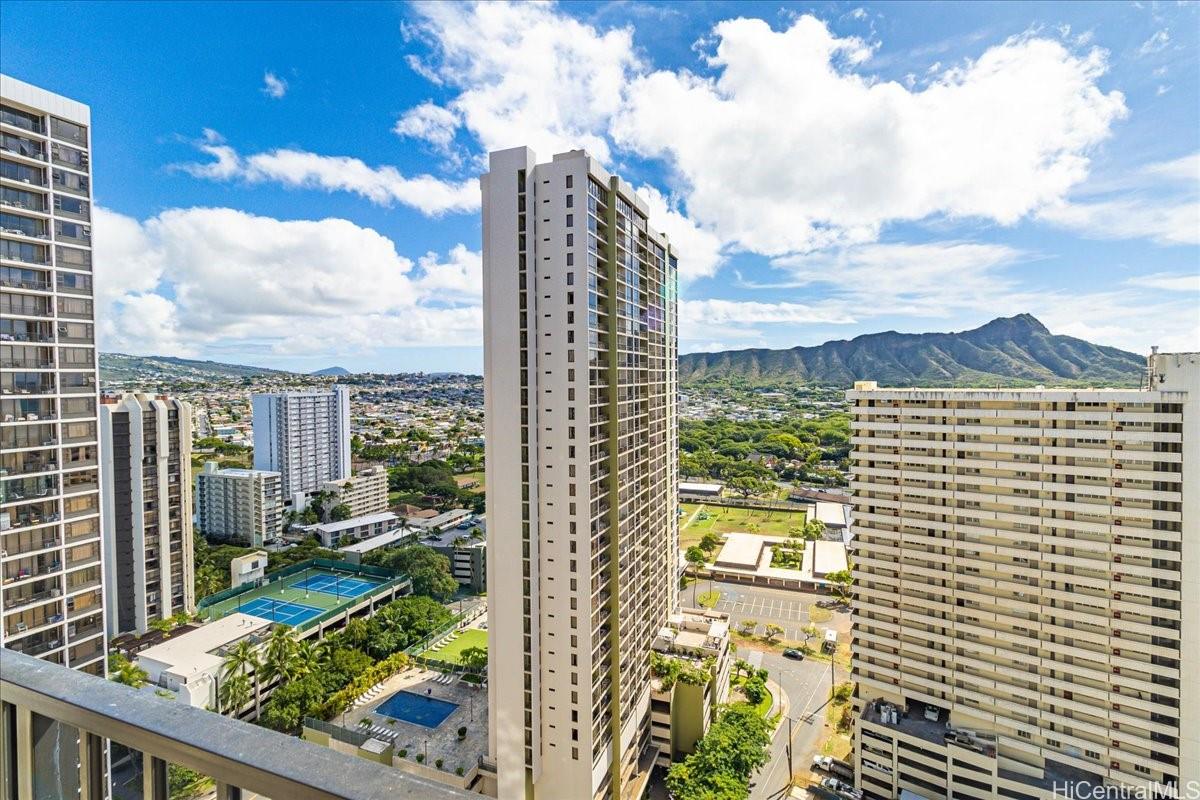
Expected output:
{"points": [[682, 710], [355, 529], [1027, 610], [365, 493], [239, 505]]}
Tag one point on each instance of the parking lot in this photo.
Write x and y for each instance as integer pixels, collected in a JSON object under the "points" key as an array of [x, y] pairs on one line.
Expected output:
{"points": [[784, 607]]}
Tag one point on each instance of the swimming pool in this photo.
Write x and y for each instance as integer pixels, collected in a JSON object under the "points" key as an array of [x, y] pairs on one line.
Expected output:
{"points": [[416, 708]]}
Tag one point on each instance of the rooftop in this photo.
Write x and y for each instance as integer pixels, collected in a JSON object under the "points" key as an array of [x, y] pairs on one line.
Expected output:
{"points": [[192, 652], [382, 540], [353, 522]]}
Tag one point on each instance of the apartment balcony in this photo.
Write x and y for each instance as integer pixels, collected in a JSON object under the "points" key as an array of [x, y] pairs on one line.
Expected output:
{"points": [[233, 753]]}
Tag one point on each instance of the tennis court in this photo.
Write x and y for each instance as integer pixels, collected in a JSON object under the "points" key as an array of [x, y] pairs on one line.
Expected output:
{"points": [[280, 610], [300, 596], [338, 585]]}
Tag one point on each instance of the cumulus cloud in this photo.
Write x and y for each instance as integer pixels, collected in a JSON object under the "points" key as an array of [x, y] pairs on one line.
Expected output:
{"points": [[197, 277], [383, 185], [274, 86], [429, 122], [790, 148], [526, 74], [699, 250], [457, 278]]}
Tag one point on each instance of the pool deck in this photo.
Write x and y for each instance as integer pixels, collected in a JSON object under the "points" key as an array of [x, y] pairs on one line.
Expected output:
{"points": [[442, 741]]}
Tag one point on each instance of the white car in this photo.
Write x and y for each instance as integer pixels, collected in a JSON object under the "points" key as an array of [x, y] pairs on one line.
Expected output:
{"points": [[822, 762]]}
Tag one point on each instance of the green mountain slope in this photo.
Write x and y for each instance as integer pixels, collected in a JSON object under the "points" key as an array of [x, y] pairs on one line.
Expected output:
{"points": [[1010, 350], [116, 367]]}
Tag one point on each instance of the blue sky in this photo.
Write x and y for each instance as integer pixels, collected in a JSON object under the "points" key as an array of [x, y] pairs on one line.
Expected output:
{"points": [[294, 185]]}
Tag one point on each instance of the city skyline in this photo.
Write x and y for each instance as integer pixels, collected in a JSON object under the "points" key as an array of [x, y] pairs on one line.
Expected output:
{"points": [[1082, 209]]}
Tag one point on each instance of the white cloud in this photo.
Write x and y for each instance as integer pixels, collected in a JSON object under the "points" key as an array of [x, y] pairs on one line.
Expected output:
{"points": [[699, 250], [429, 122], [384, 185], [189, 279], [789, 149], [936, 279], [274, 86], [457, 279], [1158, 42], [527, 74], [1159, 202]]}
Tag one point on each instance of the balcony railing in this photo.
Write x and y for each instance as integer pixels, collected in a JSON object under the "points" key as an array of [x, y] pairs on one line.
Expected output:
{"points": [[238, 756]]}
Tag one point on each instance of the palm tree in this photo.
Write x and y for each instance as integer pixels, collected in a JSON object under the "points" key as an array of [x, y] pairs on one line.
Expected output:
{"points": [[356, 632], [235, 693], [280, 647], [304, 660], [130, 674], [243, 660]]}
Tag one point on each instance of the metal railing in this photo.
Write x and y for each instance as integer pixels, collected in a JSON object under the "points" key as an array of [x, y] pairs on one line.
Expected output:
{"points": [[238, 756]]}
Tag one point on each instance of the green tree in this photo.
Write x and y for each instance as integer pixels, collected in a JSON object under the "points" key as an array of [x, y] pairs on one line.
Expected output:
{"points": [[235, 694], [696, 559], [747, 486], [809, 631], [755, 690], [243, 659], [725, 758], [813, 530], [280, 649], [773, 632], [122, 670], [748, 626], [428, 569], [709, 542], [340, 513], [841, 583], [474, 659]]}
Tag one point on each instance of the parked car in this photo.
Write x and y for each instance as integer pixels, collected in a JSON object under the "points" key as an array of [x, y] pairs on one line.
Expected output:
{"points": [[822, 762], [794, 654], [834, 766]]}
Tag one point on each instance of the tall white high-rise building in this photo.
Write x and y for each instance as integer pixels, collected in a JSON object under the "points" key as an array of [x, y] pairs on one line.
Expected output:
{"points": [[304, 436], [52, 601], [580, 348], [146, 452], [1027, 609]]}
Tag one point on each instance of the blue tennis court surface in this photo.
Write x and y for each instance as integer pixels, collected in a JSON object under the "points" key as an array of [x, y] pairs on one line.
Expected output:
{"points": [[335, 584], [276, 611], [417, 708]]}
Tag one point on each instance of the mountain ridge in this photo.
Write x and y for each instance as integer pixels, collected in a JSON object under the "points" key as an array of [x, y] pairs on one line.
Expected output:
{"points": [[1017, 350]]}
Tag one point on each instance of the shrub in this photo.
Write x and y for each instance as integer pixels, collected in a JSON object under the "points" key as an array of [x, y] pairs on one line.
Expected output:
{"points": [[438, 763], [420, 758], [403, 752], [462, 731]]}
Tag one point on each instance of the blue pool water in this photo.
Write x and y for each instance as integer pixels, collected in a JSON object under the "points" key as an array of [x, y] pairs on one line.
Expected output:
{"points": [[417, 708]]}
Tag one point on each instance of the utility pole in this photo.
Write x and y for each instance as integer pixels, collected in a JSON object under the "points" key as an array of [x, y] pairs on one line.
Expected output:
{"points": [[791, 764]]}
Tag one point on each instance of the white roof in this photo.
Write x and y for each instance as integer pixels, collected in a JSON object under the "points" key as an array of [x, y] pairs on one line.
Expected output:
{"points": [[382, 540], [690, 486], [828, 557], [185, 654], [831, 513], [741, 550], [356, 522]]}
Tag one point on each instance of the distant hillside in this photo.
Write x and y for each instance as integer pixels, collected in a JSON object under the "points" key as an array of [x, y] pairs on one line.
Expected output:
{"points": [[1010, 350], [331, 371], [117, 367]]}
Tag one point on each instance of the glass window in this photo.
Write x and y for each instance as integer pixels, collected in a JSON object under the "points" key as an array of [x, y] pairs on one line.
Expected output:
{"points": [[69, 156], [23, 251], [26, 226], [22, 173], [21, 119], [74, 307], [22, 146], [72, 282], [19, 198], [72, 206], [67, 131], [71, 182]]}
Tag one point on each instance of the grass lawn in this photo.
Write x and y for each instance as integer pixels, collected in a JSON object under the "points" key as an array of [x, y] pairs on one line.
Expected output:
{"points": [[764, 706], [723, 519], [471, 637], [708, 599], [471, 477]]}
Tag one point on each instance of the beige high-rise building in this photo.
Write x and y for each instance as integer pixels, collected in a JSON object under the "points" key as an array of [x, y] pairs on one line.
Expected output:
{"points": [[580, 347], [146, 452], [365, 493], [1027, 610], [52, 601]]}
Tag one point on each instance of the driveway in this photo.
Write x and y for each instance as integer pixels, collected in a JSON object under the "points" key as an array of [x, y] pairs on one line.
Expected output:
{"points": [[807, 684]]}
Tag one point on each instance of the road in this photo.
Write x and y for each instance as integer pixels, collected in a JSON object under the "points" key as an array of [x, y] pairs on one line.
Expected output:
{"points": [[807, 684]]}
